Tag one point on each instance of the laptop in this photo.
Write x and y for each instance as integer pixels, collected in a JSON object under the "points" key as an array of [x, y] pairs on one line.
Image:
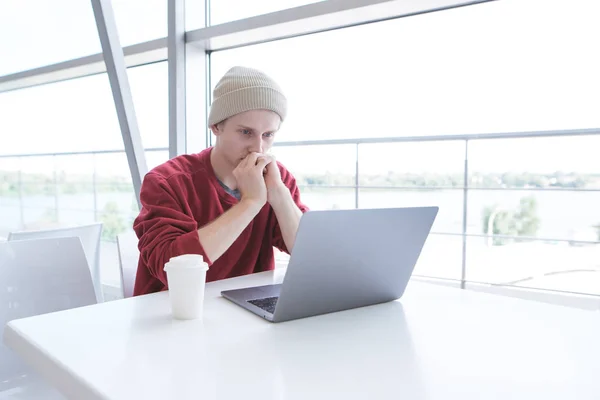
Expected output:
{"points": [[343, 259]]}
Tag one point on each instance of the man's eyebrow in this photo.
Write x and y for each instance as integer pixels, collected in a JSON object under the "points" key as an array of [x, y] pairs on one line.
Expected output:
{"points": [[254, 130]]}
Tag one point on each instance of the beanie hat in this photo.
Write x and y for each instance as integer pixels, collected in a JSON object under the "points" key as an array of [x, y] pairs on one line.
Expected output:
{"points": [[243, 89]]}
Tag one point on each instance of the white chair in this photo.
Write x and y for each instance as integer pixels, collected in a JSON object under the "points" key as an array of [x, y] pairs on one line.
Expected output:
{"points": [[90, 239], [37, 277], [127, 245]]}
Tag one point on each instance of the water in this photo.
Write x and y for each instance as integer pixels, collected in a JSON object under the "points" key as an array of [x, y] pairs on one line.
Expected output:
{"points": [[563, 215]]}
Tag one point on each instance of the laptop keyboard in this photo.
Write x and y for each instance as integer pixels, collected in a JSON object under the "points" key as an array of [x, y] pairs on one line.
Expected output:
{"points": [[267, 304]]}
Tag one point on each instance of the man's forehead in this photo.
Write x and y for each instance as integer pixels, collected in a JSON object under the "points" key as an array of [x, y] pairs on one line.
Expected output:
{"points": [[257, 121]]}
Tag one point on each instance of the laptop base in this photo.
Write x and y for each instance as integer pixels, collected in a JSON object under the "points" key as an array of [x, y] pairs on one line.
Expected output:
{"points": [[252, 298]]}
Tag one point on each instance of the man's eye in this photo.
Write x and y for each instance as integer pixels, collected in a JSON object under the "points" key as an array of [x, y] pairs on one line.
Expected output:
{"points": [[246, 131], [271, 134]]}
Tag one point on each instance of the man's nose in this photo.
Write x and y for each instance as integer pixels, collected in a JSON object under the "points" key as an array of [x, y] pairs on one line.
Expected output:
{"points": [[257, 146]]}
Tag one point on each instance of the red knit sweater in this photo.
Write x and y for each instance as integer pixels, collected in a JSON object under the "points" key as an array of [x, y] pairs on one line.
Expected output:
{"points": [[181, 196]]}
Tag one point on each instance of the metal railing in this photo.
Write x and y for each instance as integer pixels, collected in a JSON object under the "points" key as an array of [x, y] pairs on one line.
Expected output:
{"points": [[56, 192], [466, 139], [465, 188]]}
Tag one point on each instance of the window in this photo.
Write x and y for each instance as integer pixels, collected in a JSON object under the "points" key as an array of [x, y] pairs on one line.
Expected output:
{"points": [[415, 174], [327, 184], [470, 75], [58, 189], [79, 115], [37, 32], [544, 188], [465, 71]]}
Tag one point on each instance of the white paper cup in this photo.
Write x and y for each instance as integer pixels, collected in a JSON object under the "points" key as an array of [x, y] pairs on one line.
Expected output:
{"points": [[186, 276]]}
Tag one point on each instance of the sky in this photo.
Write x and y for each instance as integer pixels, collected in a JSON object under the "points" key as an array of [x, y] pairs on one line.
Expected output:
{"points": [[509, 65]]}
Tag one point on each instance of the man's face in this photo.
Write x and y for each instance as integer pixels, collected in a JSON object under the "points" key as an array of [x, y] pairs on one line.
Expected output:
{"points": [[245, 133]]}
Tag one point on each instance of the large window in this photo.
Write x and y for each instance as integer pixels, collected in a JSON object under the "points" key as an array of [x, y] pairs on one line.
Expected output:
{"points": [[468, 71], [83, 175], [79, 115], [514, 210]]}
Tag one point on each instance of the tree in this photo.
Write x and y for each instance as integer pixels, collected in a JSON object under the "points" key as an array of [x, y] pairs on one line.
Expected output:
{"points": [[48, 220], [113, 222], [522, 221], [527, 220], [134, 211]]}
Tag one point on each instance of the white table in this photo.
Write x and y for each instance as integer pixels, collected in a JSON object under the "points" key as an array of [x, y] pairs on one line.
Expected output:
{"points": [[437, 343]]}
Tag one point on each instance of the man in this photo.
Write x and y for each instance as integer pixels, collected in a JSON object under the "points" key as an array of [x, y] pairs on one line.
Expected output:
{"points": [[231, 203]]}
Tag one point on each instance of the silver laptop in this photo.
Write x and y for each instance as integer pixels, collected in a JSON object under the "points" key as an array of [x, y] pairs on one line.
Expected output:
{"points": [[343, 259]]}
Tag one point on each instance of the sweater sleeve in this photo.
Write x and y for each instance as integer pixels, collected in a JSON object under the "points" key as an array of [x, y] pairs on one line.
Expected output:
{"points": [[165, 227], [290, 182]]}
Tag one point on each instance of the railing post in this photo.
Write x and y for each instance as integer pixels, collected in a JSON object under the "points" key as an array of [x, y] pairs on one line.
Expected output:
{"points": [[95, 188], [356, 180], [20, 188], [463, 274], [55, 192]]}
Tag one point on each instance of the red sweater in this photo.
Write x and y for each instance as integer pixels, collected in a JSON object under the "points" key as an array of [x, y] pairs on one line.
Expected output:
{"points": [[181, 196]]}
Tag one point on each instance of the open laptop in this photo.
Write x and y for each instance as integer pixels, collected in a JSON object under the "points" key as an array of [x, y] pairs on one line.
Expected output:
{"points": [[343, 259]]}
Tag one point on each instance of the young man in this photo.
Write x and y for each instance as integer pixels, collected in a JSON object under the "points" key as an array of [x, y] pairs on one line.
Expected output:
{"points": [[231, 203]]}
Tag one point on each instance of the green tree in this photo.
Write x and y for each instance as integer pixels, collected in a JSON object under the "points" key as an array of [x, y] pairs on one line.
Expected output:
{"points": [[134, 211], [526, 218], [597, 230], [48, 220], [113, 222], [522, 221]]}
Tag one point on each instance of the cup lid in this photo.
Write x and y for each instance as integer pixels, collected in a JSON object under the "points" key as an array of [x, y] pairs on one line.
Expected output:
{"points": [[187, 258], [186, 261]]}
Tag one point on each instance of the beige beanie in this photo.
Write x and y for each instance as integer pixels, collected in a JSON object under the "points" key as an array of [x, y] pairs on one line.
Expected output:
{"points": [[243, 89]]}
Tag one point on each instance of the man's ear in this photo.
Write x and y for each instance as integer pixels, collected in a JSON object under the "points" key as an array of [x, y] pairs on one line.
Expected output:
{"points": [[217, 128]]}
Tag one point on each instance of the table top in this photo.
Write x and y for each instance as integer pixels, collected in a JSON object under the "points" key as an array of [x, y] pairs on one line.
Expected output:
{"points": [[435, 343]]}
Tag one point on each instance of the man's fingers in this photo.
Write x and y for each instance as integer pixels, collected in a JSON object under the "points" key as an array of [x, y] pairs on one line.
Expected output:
{"points": [[253, 158], [242, 164], [262, 162], [249, 160], [270, 159]]}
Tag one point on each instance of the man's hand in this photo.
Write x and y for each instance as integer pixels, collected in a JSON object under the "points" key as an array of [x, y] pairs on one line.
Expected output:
{"points": [[275, 186], [217, 236], [280, 198], [249, 176]]}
